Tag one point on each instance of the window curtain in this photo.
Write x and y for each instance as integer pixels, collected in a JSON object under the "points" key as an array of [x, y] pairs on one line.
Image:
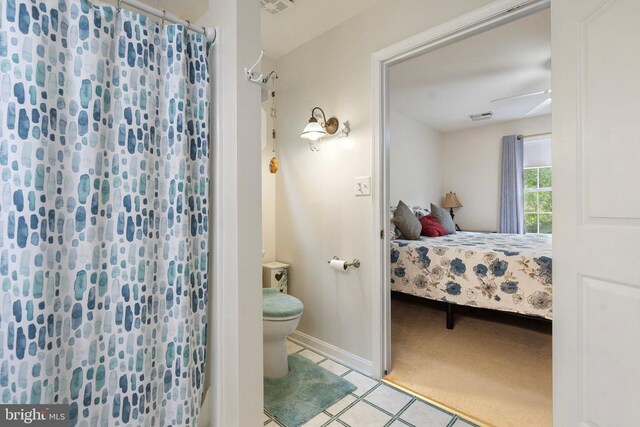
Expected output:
{"points": [[103, 213], [512, 186]]}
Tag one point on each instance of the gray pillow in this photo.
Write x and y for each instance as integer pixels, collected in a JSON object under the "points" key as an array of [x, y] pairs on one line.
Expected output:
{"points": [[444, 218], [406, 221]]}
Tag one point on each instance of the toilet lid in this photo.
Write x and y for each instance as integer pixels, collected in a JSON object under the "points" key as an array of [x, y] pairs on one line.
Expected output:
{"points": [[275, 304]]}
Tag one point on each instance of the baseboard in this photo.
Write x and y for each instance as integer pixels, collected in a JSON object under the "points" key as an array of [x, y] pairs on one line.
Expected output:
{"points": [[332, 352]]}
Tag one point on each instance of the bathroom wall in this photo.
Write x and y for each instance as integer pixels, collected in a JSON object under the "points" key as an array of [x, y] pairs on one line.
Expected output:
{"points": [[317, 214], [235, 297], [414, 163], [268, 188], [471, 166], [268, 179]]}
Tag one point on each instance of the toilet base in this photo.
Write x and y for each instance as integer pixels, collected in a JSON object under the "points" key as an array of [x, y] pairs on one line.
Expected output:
{"points": [[276, 364]]}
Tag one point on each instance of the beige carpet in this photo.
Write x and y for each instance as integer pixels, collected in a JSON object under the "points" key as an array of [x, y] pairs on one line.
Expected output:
{"points": [[492, 366]]}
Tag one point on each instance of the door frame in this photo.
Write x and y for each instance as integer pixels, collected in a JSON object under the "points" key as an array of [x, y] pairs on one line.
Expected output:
{"points": [[490, 16]]}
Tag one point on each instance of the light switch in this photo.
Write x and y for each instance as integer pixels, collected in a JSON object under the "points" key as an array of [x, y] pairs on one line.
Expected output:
{"points": [[362, 186]]}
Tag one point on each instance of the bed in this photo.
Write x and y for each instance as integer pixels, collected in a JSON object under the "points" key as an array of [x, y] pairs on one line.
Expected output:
{"points": [[506, 272]]}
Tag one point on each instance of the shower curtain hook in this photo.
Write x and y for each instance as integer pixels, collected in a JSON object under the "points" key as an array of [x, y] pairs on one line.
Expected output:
{"points": [[164, 16], [119, 5]]}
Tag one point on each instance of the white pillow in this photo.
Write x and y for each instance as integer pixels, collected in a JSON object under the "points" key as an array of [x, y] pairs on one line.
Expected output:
{"points": [[419, 211]]}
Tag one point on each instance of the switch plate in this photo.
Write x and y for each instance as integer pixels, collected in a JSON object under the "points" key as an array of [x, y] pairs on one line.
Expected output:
{"points": [[362, 185]]}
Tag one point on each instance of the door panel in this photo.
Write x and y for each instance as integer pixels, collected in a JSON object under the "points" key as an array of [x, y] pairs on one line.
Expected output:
{"points": [[596, 225], [606, 307], [609, 111]]}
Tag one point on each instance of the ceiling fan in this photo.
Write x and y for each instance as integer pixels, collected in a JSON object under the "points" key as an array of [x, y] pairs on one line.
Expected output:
{"points": [[538, 107]]}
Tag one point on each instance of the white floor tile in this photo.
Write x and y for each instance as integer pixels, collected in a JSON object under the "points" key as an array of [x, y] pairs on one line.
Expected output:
{"points": [[317, 421], [363, 383], [421, 414], [334, 367], [314, 357], [341, 404], [388, 399], [265, 418], [364, 415], [293, 347], [462, 423]]}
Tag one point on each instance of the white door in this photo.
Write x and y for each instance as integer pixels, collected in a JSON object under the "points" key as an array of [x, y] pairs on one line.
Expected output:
{"points": [[596, 206]]}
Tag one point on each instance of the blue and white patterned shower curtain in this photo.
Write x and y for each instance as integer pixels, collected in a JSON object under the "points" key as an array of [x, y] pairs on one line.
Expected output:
{"points": [[103, 213]]}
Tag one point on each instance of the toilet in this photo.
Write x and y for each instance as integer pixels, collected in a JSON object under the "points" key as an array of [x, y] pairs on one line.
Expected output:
{"points": [[280, 316]]}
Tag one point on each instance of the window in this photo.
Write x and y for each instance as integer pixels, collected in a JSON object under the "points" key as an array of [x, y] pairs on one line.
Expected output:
{"points": [[537, 200]]}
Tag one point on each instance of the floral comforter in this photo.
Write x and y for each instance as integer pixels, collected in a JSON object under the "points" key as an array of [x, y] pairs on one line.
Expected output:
{"points": [[507, 272]]}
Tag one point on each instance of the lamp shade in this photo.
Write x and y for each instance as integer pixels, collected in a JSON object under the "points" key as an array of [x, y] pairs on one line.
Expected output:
{"points": [[451, 201], [313, 131]]}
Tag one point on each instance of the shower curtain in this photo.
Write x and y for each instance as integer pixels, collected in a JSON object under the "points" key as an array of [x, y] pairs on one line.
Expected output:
{"points": [[104, 213]]}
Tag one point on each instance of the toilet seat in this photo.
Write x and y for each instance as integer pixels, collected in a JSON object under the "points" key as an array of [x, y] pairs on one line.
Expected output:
{"points": [[280, 307], [280, 319]]}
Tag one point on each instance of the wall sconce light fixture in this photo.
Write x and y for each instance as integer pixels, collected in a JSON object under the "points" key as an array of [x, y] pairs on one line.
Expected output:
{"points": [[315, 130]]}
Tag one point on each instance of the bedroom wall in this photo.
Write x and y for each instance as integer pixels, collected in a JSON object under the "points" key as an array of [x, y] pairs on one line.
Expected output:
{"points": [[414, 164], [471, 166], [317, 214]]}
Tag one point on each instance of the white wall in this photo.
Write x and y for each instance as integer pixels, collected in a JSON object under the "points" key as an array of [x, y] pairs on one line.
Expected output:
{"points": [[471, 166], [235, 295], [268, 188], [268, 179], [317, 214], [414, 163]]}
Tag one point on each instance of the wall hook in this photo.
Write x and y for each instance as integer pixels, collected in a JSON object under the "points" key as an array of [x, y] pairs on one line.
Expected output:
{"points": [[249, 71]]}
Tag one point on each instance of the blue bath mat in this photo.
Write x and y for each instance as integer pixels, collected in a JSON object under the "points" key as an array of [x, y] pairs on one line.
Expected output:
{"points": [[306, 391]]}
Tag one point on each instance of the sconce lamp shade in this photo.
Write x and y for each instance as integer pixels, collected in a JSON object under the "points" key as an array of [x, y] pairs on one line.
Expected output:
{"points": [[451, 201], [313, 131]]}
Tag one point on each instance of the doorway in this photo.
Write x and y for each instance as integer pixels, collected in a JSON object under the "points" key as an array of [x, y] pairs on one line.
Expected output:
{"points": [[480, 22]]}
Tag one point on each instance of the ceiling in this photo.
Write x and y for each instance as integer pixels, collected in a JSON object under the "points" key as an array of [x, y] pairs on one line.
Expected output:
{"points": [[443, 87], [305, 20], [283, 32]]}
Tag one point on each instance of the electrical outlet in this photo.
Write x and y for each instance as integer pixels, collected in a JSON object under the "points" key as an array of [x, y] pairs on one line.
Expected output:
{"points": [[362, 186]]}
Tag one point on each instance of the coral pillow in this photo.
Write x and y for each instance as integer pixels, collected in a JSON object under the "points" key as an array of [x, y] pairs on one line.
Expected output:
{"points": [[431, 227]]}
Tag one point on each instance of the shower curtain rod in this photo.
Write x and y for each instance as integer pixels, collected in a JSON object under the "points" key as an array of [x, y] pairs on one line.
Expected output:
{"points": [[209, 33]]}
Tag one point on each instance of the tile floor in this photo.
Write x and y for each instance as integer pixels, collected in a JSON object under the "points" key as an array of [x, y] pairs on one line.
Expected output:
{"points": [[372, 404]]}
